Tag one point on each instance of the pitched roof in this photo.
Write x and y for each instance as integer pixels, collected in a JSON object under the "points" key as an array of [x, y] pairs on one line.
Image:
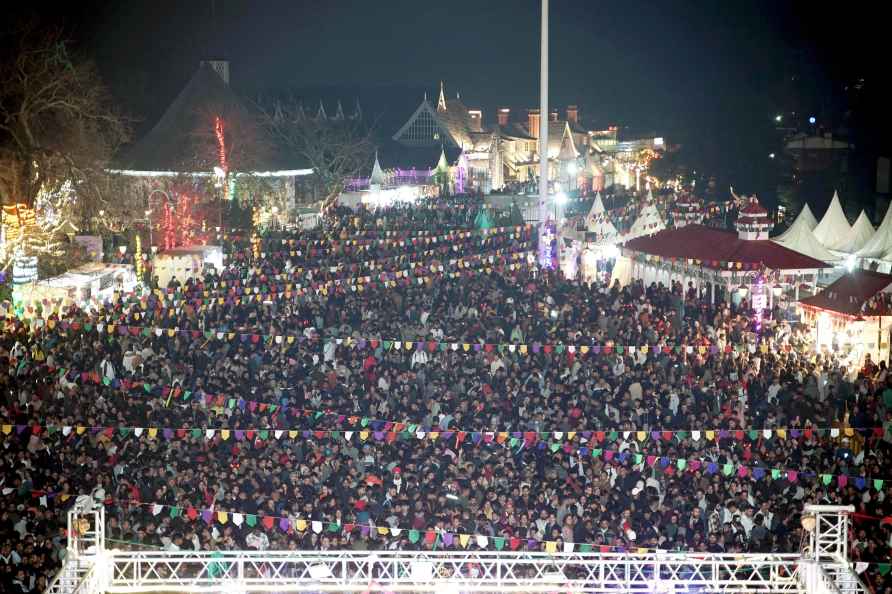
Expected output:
{"points": [[850, 292], [172, 145], [649, 220], [834, 229], [713, 246]]}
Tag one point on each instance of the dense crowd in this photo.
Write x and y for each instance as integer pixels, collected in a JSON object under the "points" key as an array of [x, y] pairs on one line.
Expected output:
{"points": [[330, 428]]}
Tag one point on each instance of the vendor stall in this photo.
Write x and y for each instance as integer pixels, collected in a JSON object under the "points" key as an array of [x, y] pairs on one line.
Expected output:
{"points": [[186, 262], [852, 317], [91, 283]]}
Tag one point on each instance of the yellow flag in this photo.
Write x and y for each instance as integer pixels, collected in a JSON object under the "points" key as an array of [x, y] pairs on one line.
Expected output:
{"points": [[222, 517], [710, 434], [7, 429], [551, 546], [641, 435], [153, 432], [464, 539], [383, 531], [300, 525], [224, 433], [80, 430], [363, 435], [292, 434], [782, 433]]}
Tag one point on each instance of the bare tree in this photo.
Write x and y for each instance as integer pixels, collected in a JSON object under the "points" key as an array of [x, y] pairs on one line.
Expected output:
{"points": [[58, 123], [336, 149]]}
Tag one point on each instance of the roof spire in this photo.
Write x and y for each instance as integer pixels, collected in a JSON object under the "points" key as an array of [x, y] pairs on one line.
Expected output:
{"points": [[377, 178], [441, 102]]}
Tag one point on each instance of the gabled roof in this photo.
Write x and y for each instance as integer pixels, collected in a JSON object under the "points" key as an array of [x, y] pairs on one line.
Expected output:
{"points": [[713, 247], [172, 146], [850, 294], [799, 238], [862, 232], [833, 230]]}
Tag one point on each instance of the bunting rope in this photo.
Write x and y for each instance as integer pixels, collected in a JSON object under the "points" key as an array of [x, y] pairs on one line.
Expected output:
{"points": [[599, 435], [658, 463]]}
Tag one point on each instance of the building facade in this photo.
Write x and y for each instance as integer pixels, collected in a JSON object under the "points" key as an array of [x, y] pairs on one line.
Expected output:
{"points": [[506, 152]]}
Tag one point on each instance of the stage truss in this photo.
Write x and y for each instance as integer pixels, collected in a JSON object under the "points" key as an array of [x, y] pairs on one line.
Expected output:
{"points": [[90, 568]]}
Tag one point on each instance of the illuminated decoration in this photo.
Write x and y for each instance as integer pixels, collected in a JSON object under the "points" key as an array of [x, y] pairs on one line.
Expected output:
{"points": [[759, 301], [461, 174], [24, 233], [167, 226], [51, 204], [24, 269], [278, 173], [255, 245], [221, 171], [547, 236], [137, 257]]}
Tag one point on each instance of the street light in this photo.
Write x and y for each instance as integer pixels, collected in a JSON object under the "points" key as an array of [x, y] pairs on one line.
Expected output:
{"points": [[812, 120], [778, 118], [770, 155]]}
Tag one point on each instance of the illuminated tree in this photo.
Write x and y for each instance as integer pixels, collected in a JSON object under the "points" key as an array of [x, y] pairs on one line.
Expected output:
{"points": [[57, 121]]}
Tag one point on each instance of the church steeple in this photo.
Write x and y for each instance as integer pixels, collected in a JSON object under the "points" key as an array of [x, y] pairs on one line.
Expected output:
{"points": [[441, 102]]}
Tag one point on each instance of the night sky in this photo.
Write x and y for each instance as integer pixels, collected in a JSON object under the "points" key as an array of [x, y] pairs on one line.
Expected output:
{"points": [[709, 75]]}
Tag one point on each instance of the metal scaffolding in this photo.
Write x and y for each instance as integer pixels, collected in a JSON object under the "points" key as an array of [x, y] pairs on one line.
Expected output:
{"points": [[821, 567]]}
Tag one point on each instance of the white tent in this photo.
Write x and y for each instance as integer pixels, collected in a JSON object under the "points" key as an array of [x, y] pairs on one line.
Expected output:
{"points": [[862, 231], [804, 218], [881, 242], [799, 238], [598, 222], [833, 230], [648, 222], [809, 217]]}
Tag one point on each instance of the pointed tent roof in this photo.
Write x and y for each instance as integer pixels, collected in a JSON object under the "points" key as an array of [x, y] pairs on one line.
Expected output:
{"points": [[808, 216], [833, 230], [862, 231], [357, 110], [568, 150], [805, 217], [881, 242], [377, 177], [320, 113], [599, 224], [800, 238], [442, 164], [648, 222]]}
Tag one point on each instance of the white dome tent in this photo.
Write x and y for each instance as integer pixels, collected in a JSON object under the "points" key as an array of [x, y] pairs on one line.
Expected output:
{"points": [[881, 242], [804, 218], [800, 238], [834, 229], [862, 232]]}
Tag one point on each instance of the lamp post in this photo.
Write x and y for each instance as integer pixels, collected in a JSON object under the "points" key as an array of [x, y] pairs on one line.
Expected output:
{"points": [[544, 235]]}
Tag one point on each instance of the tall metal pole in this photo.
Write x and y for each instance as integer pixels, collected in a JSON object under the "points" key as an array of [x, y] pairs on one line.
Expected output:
{"points": [[543, 107], [545, 237]]}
